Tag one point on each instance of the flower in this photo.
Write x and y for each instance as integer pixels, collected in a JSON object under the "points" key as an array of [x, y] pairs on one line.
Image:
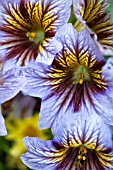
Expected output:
{"points": [[2, 125], [79, 144], [28, 28], [93, 16], [73, 83]]}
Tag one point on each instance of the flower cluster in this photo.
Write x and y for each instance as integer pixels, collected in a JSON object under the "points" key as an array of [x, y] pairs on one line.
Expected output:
{"points": [[63, 63]]}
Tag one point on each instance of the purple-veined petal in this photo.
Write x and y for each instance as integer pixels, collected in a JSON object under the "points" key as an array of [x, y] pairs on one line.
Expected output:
{"points": [[41, 154], [48, 53], [11, 82], [70, 38], [33, 73], [94, 8], [89, 129], [53, 110]]}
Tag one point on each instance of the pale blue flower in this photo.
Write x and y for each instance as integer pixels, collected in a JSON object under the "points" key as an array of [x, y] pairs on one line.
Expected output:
{"points": [[73, 83], [28, 29], [79, 144]]}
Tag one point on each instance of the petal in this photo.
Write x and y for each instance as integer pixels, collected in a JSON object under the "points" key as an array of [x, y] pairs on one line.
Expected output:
{"points": [[35, 75], [48, 53], [84, 129], [70, 39], [53, 110], [94, 8], [41, 154], [59, 9], [103, 107], [10, 84], [93, 14], [3, 130], [107, 71]]}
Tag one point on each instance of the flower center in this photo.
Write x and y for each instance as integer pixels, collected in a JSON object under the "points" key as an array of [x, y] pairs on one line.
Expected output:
{"points": [[36, 37], [80, 75], [81, 156]]}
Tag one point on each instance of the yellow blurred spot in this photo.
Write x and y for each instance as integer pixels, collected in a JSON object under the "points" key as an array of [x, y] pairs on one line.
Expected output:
{"points": [[27, 34], [79, 156], [92, 147], [19, 128], [33, 34], [84, 158], [80, 78]]}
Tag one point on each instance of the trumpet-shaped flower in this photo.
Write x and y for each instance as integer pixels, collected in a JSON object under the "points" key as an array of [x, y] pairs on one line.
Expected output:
{"points": [[93, 16], [73, 83], [79, 144], [28, 28]]}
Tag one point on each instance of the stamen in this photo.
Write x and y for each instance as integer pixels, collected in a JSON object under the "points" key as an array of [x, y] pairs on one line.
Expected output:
{"points": [[80, 75], [92, 147], [85, 150], [82, 156], [80, 78], [79, 156], [36, 37]]}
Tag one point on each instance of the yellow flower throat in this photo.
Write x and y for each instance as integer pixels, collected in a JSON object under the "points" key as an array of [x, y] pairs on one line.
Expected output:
{"points": [[82, 155], [80, 75]]}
